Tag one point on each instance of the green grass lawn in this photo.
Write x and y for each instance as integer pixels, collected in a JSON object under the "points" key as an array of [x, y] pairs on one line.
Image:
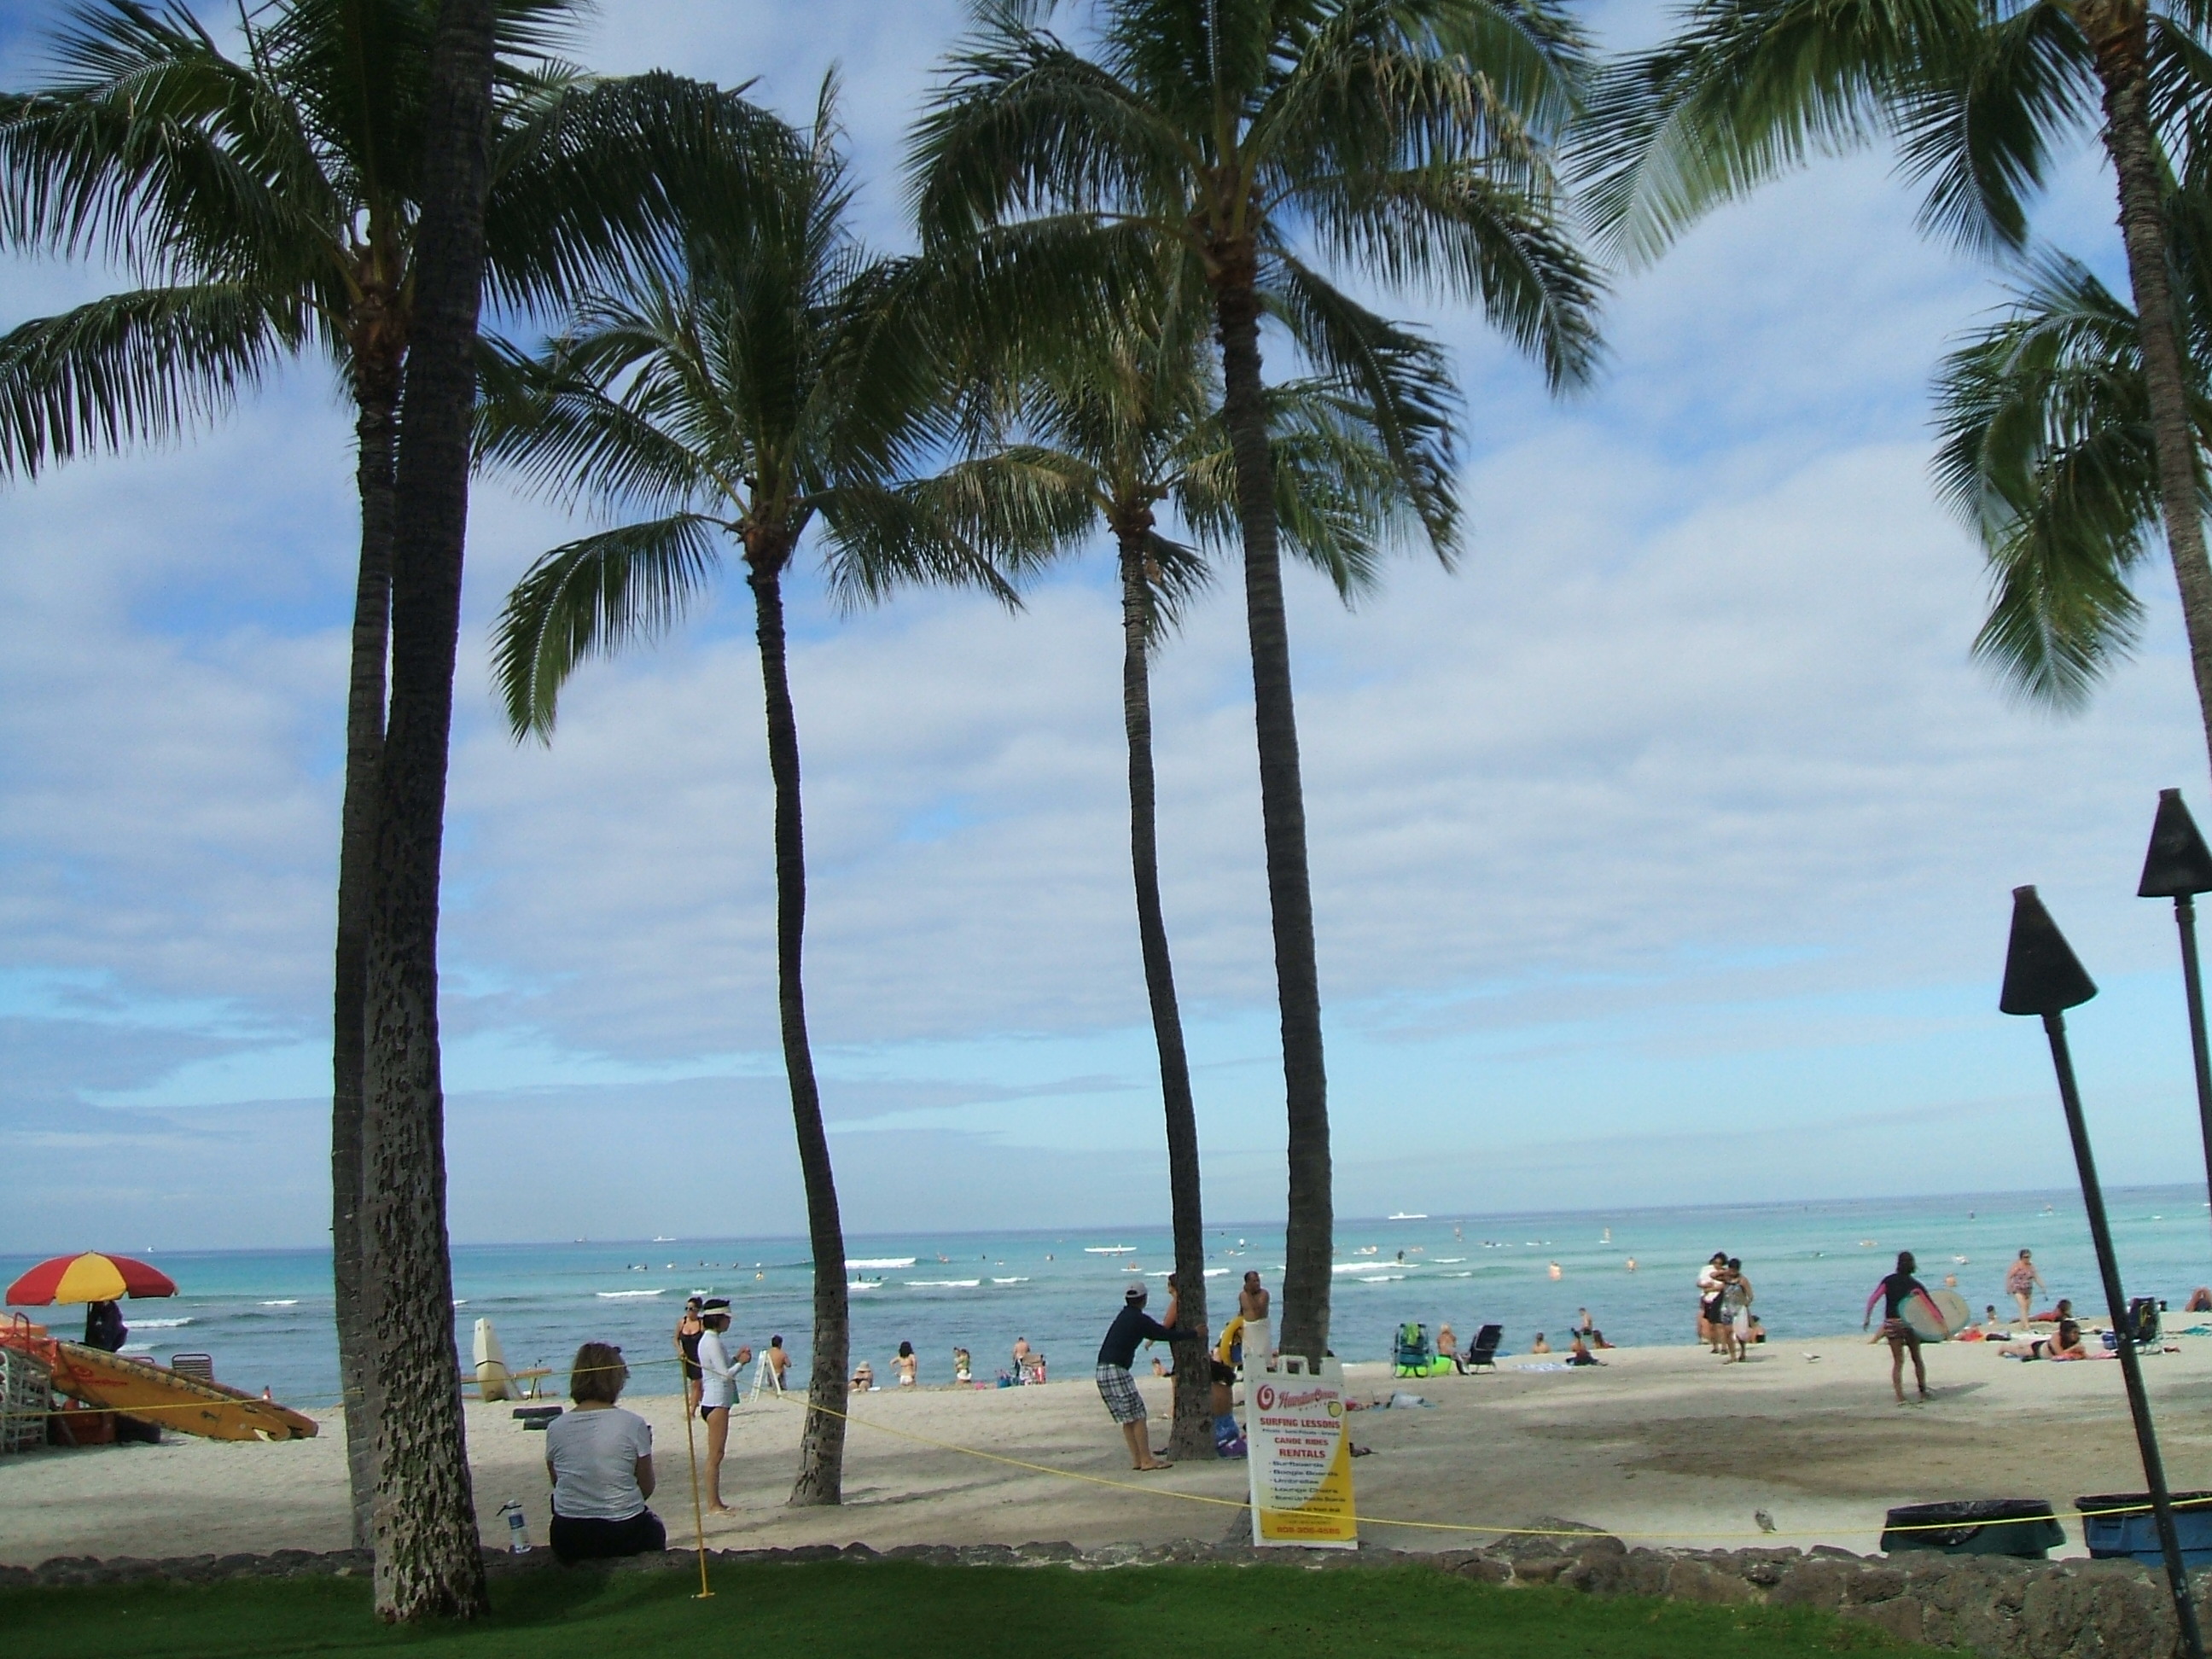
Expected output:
{"points": [[871, 1608]]}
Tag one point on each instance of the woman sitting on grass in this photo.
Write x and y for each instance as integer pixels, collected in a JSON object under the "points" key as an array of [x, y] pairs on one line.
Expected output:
{"points": [[600, 1459]]}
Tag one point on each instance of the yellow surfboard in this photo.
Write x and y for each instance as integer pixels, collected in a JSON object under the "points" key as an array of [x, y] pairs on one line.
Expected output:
{"points": [[159, 1395]]}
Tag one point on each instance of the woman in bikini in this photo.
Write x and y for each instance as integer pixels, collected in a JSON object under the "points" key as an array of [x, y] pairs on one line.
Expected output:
{"points": [[1893, 1292]]}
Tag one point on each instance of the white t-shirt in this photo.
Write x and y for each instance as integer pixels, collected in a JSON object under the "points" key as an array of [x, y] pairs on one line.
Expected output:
{"points": [[717, 1386], [595, 1455]]}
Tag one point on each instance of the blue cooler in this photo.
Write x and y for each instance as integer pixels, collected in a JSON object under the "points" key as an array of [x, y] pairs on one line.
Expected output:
{"points": [[2121, 1523]]}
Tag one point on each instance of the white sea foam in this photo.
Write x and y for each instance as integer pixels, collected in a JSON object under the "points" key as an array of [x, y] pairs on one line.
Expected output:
{"points": [[158, 1324], [619, 1295], [1010, 1281], [864, 1284], [289, 1302], [1216, 1273], [880, 1261], [943, 1284]]}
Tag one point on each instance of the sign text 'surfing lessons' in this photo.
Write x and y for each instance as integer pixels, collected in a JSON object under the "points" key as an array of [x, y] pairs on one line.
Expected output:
{"points": [[1300, 1457]]}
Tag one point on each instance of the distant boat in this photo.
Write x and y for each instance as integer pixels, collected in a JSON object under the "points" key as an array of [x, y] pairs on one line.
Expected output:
{"points": [[1410, 1215], [1109, 1249]]}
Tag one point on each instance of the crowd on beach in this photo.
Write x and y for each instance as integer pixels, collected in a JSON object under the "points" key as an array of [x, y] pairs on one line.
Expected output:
{"points": [[599, 1457]]}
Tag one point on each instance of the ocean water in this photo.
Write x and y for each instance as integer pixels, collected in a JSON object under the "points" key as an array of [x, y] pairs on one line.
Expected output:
{"points": [[265, 1315]]}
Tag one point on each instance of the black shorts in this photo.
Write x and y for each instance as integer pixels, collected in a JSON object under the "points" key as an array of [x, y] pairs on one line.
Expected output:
{"points": [[706, 1413], [1710, 1310], [576, 1539]]}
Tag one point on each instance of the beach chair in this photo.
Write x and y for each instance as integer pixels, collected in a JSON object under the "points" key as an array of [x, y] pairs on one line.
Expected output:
{"points": [[1411, 1354], [1483, 1355], [200, 1366]]}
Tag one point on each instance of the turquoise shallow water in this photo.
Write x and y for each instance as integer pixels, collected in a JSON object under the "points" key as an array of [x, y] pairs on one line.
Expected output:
{"points": [[265, 1314]]}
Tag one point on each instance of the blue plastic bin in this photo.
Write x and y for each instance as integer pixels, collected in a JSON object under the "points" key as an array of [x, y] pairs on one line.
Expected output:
{"points": [[2121, 1523]]}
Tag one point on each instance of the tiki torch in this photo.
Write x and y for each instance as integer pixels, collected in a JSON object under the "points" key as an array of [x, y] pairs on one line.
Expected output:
{"points": [[2179, 867], [2043, 977]]}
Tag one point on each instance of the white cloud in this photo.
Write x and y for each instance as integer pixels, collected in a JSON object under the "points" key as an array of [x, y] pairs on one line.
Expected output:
{"points": [[1679, 804]]}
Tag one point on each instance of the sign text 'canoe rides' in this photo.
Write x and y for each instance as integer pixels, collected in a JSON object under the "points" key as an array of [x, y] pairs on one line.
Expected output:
{"points": [[1300, 1456]]}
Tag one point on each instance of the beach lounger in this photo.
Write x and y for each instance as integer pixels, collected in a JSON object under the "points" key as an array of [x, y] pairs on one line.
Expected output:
{"points": [[1483, 1355]]}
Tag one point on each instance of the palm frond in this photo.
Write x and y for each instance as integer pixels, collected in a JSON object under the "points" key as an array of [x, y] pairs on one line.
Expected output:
{"points": [[589, 598], [1749, 89], [1399, 383], [2046, 450], [134, 368]]}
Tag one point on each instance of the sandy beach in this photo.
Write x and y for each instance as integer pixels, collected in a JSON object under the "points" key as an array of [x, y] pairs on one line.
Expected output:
{"points": [[1664, 1445]]}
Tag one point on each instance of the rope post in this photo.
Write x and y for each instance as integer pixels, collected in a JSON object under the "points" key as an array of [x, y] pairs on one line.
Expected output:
{"points": [[698, 1515]]}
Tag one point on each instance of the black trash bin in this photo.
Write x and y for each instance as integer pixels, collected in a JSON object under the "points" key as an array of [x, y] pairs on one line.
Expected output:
{"points": [[2021, 1527]]}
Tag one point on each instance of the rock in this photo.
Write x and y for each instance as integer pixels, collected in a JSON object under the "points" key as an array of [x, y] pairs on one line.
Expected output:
{"points": [[1696, 1581], [1636, 1572], [1547, 1535], [1817, 1582]]}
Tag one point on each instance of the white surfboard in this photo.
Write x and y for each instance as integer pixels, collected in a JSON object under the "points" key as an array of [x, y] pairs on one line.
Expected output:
{"points": [[1957, 1316], [492, 1381]]}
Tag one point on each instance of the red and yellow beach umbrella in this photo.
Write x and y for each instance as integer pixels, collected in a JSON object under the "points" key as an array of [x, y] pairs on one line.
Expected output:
{"points": [[91, 1277]]}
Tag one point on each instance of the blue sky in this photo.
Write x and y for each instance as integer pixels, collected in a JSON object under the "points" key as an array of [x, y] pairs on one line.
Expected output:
{"points": [[1661, 851]]}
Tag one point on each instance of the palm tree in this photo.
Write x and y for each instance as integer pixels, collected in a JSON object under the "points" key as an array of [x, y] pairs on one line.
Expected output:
{"points": [[428, 1561], [1978, 93], [1121, 422], [269, 205], [781, 376], [1409, 140], [2047, 453]]}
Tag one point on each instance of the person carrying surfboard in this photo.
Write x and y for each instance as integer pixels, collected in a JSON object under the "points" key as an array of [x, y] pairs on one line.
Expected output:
{"points": [[1894, 1292]]}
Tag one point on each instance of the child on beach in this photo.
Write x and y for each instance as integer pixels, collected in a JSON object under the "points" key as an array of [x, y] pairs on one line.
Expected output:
{"points": [[963, 1370]]}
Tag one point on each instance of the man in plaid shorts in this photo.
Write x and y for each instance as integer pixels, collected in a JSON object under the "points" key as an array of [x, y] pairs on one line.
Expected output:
{"points": [[1117, 1388]]}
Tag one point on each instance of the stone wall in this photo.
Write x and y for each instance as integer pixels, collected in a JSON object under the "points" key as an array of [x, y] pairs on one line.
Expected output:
{"points": [[1988, 1605]]}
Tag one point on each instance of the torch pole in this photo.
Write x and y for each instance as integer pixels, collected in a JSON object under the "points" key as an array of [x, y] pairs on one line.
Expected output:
{"points": [[2193, 980], [2108, 1268]]}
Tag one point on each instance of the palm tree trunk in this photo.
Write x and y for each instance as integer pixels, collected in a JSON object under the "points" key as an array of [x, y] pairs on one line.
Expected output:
{"points": [[1193, 1436], [1309, 1243], [2119, 37], [822, 1443], [377, 394], [428, 1559]]}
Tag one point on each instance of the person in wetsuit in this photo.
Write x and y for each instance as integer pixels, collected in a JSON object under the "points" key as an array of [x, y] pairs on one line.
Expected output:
{"points": [[1893, 1292]]}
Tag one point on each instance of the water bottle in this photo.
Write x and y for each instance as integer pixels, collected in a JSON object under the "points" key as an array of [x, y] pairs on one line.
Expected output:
{"points": [[518, 1527]]}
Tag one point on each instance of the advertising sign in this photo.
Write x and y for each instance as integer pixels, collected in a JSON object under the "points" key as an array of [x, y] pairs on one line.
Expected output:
{"points": [[1301, 1456]]}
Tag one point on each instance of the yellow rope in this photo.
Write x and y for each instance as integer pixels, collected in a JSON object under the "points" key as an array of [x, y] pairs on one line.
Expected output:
{"points": [[1424, 1526], [1155, 1490]]}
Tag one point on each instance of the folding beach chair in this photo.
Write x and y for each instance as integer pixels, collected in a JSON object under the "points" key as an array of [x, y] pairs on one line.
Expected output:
{"points": [[1411, 1354], [198, 1365], [1483, 1356]]}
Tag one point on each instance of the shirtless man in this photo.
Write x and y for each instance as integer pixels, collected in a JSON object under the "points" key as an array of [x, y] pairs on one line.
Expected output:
{"points": [[1252, 1304]]}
